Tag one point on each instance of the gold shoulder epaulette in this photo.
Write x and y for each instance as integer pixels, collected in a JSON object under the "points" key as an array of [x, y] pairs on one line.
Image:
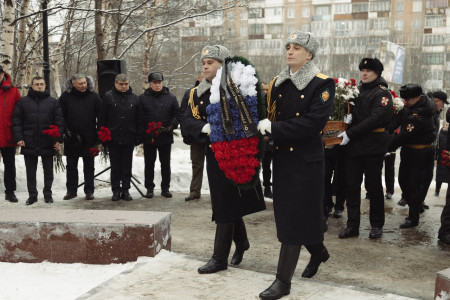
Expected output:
{"points": [[322, 76], [383, 87], [415, 115]]}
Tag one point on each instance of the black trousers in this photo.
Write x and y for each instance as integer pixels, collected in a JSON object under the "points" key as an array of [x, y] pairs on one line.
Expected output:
{"points": [[9, 176], [427, 176], [121, 158], [72, 174], [334, 177], [164, 159], [266, 170], [413, 167], [389, 172], [445, 216], [371, 167], [198, 163], [31, 163]]}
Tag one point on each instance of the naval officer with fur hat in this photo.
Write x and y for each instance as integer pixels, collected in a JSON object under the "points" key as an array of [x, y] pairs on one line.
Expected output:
{"points": [[229, 203], [300, 100], [367, 144]]}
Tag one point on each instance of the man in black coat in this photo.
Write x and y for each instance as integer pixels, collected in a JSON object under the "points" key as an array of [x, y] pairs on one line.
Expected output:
{"points": [[444, 230], [367, 144], [416, 137], [33, 114], [80, 106], [119, 113], [229, 202], [157, 104]]}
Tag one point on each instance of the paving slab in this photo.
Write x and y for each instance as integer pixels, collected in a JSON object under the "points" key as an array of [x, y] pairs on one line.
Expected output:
{"points": [[173, 276]]}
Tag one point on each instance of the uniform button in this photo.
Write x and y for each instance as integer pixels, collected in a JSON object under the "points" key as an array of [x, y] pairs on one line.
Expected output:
{"points": [[279, 113], [279, 96], [276, 147], [209, 146], [302, 96], [203, 117], [297, 114], [201, 102], [291, 149]]}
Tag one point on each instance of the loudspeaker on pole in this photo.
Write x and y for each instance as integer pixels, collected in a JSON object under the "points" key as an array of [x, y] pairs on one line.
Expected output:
{"points": [[107, 71]]}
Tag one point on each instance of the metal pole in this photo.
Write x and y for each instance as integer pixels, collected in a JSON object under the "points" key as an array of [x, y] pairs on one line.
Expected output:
{"points": [[45, 44]]}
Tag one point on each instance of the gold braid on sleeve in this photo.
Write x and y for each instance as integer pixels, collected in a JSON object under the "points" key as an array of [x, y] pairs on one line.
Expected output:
{"points": [[271, 103], [194, 109]]}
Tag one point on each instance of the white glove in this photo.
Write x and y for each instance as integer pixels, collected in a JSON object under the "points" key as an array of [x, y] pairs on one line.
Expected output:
{"points": [[206, 129], [387, 154], [265, 126], [345, 138], [348, 119]]}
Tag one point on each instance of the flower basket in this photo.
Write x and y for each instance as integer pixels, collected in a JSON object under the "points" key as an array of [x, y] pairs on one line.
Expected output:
{"points": [[346, 91]]}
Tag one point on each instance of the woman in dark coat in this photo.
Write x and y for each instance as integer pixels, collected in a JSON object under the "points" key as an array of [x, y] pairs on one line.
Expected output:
{"points": [[441, 170], [300, 101], [229, 203]]}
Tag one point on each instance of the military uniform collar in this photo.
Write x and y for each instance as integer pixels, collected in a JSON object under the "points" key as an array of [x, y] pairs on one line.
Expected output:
{"points": [[203, 87], [301, 78]]}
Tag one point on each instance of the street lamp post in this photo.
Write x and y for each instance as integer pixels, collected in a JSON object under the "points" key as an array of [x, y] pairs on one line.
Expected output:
{"points": [[46, 64]]}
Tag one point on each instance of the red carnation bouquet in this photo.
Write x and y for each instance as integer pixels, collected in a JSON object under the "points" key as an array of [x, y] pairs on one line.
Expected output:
{"points": [[104, 135], [53, 133], [155, 128], [445, 158]]}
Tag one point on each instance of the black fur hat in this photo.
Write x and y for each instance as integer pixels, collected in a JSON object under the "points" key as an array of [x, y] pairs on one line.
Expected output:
{"points": [[155, 76], [441, 96], [373, 64], [410, 90]]}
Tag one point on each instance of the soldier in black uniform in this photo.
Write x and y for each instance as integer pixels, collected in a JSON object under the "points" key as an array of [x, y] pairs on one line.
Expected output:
{"points": [[444, 230], [229, 203], [367, 144], [300, 101], [416, 138]]}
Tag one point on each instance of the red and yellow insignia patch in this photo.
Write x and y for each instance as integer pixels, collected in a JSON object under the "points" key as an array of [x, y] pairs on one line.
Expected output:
{"points": [[409, 127], [325, 96], [384, 101]]}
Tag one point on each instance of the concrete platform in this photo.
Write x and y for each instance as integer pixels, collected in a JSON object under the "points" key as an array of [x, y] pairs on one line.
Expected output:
{"points": [[442, 289], [84, 236], [173, 276]]}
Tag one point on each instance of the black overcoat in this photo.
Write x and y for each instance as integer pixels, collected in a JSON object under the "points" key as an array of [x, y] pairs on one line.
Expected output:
{"points": [[229, 203], [298, 159], [81, 111], [441, 170], [32, 115], [119, 113], [159, 107]]}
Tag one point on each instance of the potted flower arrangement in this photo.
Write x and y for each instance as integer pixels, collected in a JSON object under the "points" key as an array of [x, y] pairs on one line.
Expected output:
{"points": [[397, 102], [346, 91]]}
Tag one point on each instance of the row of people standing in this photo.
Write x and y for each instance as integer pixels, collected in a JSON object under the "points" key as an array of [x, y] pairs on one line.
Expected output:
{"points": [[78, 115]]}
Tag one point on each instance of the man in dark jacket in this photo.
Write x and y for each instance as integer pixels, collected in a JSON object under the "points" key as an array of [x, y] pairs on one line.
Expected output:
{"points": [[444, 230], [157, 104], [367, 144], [416, 137], [119, 113], [197, 145], [80, 106], [9, 95], [33, 114]]}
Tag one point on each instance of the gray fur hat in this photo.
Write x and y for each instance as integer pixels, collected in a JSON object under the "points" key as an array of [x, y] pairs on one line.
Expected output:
{"points": [[305, 39], [216, 52]]}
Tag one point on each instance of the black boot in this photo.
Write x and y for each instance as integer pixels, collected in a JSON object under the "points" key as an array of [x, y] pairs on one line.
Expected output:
{"points": [[319, 254], [268, 192], [222, 246], [241, 241], [286, 266]]}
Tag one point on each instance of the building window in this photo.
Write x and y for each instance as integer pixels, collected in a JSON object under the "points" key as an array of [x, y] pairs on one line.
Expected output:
{"points": [[436, 3], [291, 13], [187, 31], [400, 6], [380, 23], [398, 24], [360, 7], [244, 15], [256, 13], [343, 8], [320, 26], [434, 21], [359, 27], [231, 16], [322, 10], [417, 23], [341, 28], [417, 5], [256, 29], [305, 27], [380, 6], [433, 39], [274, 29], [243, 30], [305, 12], [433, 58]]}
